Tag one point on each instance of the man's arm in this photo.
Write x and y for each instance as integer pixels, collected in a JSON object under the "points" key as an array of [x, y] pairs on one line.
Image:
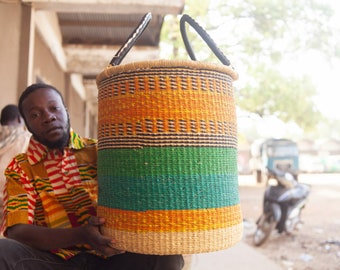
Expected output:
{"points": [[44, 238]]}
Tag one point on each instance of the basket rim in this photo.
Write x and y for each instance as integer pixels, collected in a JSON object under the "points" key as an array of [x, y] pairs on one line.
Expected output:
{"points": [[113, 70]]}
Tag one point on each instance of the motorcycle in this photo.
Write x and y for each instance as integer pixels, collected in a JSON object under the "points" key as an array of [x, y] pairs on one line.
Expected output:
{"points": [[283, 202]]}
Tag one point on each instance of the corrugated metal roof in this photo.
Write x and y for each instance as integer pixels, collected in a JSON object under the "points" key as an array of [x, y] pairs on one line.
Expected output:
{"points": [[106, 29]]}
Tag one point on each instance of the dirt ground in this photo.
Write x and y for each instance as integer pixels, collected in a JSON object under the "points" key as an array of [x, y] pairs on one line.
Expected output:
{"points": [[316, 245]]}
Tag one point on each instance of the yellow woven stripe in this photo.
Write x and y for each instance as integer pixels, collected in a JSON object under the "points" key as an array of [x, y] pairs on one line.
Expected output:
{"points": [[171, 220], [176, 242], [176, 105]]}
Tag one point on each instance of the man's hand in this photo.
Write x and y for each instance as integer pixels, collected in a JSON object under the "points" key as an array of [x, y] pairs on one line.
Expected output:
{"points": [[53, 238], [101, 244]]}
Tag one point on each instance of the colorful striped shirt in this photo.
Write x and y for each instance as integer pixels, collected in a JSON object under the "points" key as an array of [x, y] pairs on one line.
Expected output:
{"points": [[52, 188]]}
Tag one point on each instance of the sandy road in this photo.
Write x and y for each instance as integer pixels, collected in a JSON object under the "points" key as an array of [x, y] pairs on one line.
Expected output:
{"points": [[317, 244]]}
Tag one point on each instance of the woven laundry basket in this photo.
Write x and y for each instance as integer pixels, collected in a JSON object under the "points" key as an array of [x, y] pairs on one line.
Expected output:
{"points": [[167, 157]]}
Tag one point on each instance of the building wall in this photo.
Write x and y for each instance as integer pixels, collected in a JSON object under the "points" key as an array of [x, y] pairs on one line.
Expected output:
{"points": [[9, 46], [45, 68], [76, 108]]}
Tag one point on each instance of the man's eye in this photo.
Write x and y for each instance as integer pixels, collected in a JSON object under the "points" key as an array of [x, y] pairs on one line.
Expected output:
{"points": [[34, 115], [55, 108]]}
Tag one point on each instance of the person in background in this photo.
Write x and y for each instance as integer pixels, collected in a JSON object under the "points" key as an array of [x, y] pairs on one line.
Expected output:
{"points": [[14, 139], [50, 199]]}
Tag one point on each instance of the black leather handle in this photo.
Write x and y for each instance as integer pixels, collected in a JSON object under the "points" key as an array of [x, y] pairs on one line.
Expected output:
{"points": [[204, 35], [119, 56]]}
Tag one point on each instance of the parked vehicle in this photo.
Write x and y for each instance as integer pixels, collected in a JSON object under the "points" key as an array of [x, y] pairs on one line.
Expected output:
{"points": [[271, 154], [284, 199]]}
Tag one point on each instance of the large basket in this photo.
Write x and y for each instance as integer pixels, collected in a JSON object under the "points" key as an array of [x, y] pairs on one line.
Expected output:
{"points": [[167, 157]]}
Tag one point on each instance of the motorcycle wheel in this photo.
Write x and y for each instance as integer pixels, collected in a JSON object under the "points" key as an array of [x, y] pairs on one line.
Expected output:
{"points": [[292, 223], [265, 226]]}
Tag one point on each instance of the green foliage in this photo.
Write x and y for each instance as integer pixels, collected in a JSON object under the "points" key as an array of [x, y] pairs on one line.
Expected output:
{"points": [[289, 99], [274, 28], [260, 37], [171, 37]]}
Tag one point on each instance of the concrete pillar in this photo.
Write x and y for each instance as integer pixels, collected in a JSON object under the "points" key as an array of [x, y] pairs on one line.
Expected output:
{"points": [[26, 47]]}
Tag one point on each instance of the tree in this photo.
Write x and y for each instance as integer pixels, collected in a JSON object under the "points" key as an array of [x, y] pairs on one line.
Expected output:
{"points": [[290, 99], [264, 39], [171, 41]]}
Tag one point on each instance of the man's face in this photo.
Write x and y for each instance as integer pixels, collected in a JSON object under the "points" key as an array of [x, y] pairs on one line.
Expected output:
{"points": [[46, 118]]}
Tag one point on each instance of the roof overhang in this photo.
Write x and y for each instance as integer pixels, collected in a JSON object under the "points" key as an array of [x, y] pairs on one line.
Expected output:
{"points": [[84, 35]]}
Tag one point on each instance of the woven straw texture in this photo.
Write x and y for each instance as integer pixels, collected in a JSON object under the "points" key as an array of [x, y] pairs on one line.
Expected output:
{"points": [[167, 157]]}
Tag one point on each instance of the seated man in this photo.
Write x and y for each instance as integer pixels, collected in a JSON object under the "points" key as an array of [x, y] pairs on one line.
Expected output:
{"points": [[14, 139], [50, 217]]}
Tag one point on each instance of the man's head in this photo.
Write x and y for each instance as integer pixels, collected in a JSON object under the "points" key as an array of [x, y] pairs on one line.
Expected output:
{"points": [[10, 116], [43, 109]]}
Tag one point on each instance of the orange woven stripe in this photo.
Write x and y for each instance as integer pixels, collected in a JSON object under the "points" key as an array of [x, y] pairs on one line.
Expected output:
{"points": [[171, 220], [152, 104]]}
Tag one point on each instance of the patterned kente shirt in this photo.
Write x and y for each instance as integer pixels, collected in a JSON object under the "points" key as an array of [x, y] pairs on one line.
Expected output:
{"points": [[53, 189]]}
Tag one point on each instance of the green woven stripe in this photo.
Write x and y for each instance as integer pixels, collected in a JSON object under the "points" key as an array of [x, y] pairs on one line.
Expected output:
{"points": [[168, 192], [155, 161], [168, 178]]}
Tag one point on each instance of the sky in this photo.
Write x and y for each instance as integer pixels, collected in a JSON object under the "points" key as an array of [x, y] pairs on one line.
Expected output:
{"points": [[326, 77]]}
